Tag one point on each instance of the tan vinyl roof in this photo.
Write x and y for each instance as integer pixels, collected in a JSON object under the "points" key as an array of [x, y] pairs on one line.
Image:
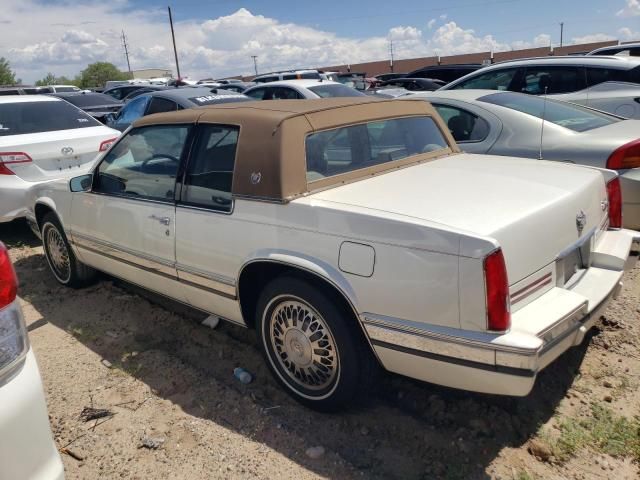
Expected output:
{"points": [[270, 158]]}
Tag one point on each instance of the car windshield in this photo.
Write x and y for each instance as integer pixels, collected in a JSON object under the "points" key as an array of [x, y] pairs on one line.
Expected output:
{"points": [[91, 99], [566, 115], [345, 149], [35, 117], [326, 91]]}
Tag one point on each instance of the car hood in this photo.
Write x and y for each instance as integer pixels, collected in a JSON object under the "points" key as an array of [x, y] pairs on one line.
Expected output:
{"points": [[528, 206]]}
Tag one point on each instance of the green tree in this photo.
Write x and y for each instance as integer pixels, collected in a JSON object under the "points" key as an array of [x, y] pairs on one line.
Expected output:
{"points": [[7, 76], [51, 79], [97, 74]]}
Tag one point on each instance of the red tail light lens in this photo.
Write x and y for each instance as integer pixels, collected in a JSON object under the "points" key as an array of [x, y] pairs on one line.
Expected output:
{"points": [[8, 158], [614, 196], [106, 145], [8, 278], [626, 156], [497, 289]]}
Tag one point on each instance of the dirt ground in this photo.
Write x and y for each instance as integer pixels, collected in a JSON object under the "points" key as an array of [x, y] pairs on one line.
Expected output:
{"points": [[169, 380]]}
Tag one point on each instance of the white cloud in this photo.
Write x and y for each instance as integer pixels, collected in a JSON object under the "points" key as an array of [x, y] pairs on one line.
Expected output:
{"points": [[596, 37], [631, 10], [444, 16], [626, 34], [63, 44]]}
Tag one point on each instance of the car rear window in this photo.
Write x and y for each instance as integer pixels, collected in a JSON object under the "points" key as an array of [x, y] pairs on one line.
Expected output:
{"points": [[66, 89], [327, 91], [342, 150], [35, 117], [566, 115], [213, 98]]}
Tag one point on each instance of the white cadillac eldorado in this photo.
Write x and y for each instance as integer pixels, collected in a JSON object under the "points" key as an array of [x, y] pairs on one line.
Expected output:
{"points": [[349, 233]]}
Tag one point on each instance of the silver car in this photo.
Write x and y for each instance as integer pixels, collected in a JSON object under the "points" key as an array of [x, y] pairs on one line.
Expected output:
{"points": [[611, 84], [508, 123]]}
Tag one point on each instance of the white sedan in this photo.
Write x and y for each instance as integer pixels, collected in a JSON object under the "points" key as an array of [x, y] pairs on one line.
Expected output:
{"points": [[300, 89], [350, 233], [27, 449], [43, 138]]}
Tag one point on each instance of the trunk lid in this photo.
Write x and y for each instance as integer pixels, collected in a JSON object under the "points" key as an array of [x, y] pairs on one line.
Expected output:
{"points": [[57, 153], [529, 206]]}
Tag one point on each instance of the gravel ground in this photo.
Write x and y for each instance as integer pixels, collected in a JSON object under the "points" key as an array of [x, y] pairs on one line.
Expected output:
{"points": [[178, 412]]}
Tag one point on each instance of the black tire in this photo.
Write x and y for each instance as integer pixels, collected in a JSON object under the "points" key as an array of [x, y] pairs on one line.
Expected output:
{"points": [[349, 367], [58, 252]]}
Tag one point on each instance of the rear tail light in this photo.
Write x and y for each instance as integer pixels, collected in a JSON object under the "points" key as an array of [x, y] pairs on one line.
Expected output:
{"points": [[9, 158], [106, 145], [497, 290], [626, 156], [13, 333], [614, 196]]}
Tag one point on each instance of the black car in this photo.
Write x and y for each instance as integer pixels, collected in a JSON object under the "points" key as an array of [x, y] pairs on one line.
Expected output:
{"points": [[170, 100], [120, 91], [446, 73], [98, 105], [414, 84], [385, 77], [143, 90]]}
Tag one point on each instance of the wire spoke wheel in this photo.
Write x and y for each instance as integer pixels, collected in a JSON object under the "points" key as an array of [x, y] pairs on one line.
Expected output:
{"points": [[303, 345], [57, 253]]}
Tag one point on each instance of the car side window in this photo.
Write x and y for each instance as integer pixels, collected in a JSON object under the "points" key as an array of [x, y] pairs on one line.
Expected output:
{"points": [[159, 105], [284, 93], [596, 75], [133, 110], [537, 80], [258, 93], [118, 93], [209, 175], [144, 163], [500, 79], [463, 125]]}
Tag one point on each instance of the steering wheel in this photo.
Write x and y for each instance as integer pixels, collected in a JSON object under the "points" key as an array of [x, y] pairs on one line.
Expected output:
{"points": [[159, 155]]}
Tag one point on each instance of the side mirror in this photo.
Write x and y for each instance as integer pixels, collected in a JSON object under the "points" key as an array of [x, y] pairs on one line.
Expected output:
{"points": [[81, 183]]}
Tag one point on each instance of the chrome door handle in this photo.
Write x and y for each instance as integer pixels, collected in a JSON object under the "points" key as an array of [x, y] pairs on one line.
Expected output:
{"points": [[162, 220]]}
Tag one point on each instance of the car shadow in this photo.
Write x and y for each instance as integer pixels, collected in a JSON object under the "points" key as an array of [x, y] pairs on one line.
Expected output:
{"points": [[405, 430], [17, 234]]}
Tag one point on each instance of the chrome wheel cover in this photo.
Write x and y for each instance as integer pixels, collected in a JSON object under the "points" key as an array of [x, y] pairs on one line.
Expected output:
{"points": [[57, 253], [303, 345]]}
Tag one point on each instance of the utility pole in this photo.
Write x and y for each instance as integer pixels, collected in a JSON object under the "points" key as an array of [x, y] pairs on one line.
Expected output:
{"points": [[126, 53], [255, 63], [173, 37], [391, 55], [561, 32]]}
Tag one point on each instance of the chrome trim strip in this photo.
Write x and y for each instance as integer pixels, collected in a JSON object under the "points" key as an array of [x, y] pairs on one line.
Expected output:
{"points": [[153, 264], [148, 262], [388, 324], [206, 280], [577, 244]]}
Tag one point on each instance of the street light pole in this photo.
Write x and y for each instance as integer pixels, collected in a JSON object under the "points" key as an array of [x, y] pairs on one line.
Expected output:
{"points": [[255, 63], [561, 32]]}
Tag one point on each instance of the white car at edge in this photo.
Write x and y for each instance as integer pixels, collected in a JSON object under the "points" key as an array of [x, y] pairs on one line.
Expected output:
{"points": [[27, 449], [300, 89], [43, 138], [350, 233]]}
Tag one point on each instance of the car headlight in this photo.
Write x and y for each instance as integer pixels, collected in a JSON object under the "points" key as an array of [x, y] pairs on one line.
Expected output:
{"points": [[14, 342]]}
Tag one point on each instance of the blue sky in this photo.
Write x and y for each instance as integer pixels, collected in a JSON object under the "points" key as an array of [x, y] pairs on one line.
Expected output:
{"points": [[217, 37]]}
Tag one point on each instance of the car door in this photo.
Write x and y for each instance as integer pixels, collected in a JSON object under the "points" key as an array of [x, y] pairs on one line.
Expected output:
{"points": [[125, 225], [207, 233]]}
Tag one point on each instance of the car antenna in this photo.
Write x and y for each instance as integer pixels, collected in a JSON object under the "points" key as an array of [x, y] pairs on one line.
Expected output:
{"points": [[544, 111]]}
